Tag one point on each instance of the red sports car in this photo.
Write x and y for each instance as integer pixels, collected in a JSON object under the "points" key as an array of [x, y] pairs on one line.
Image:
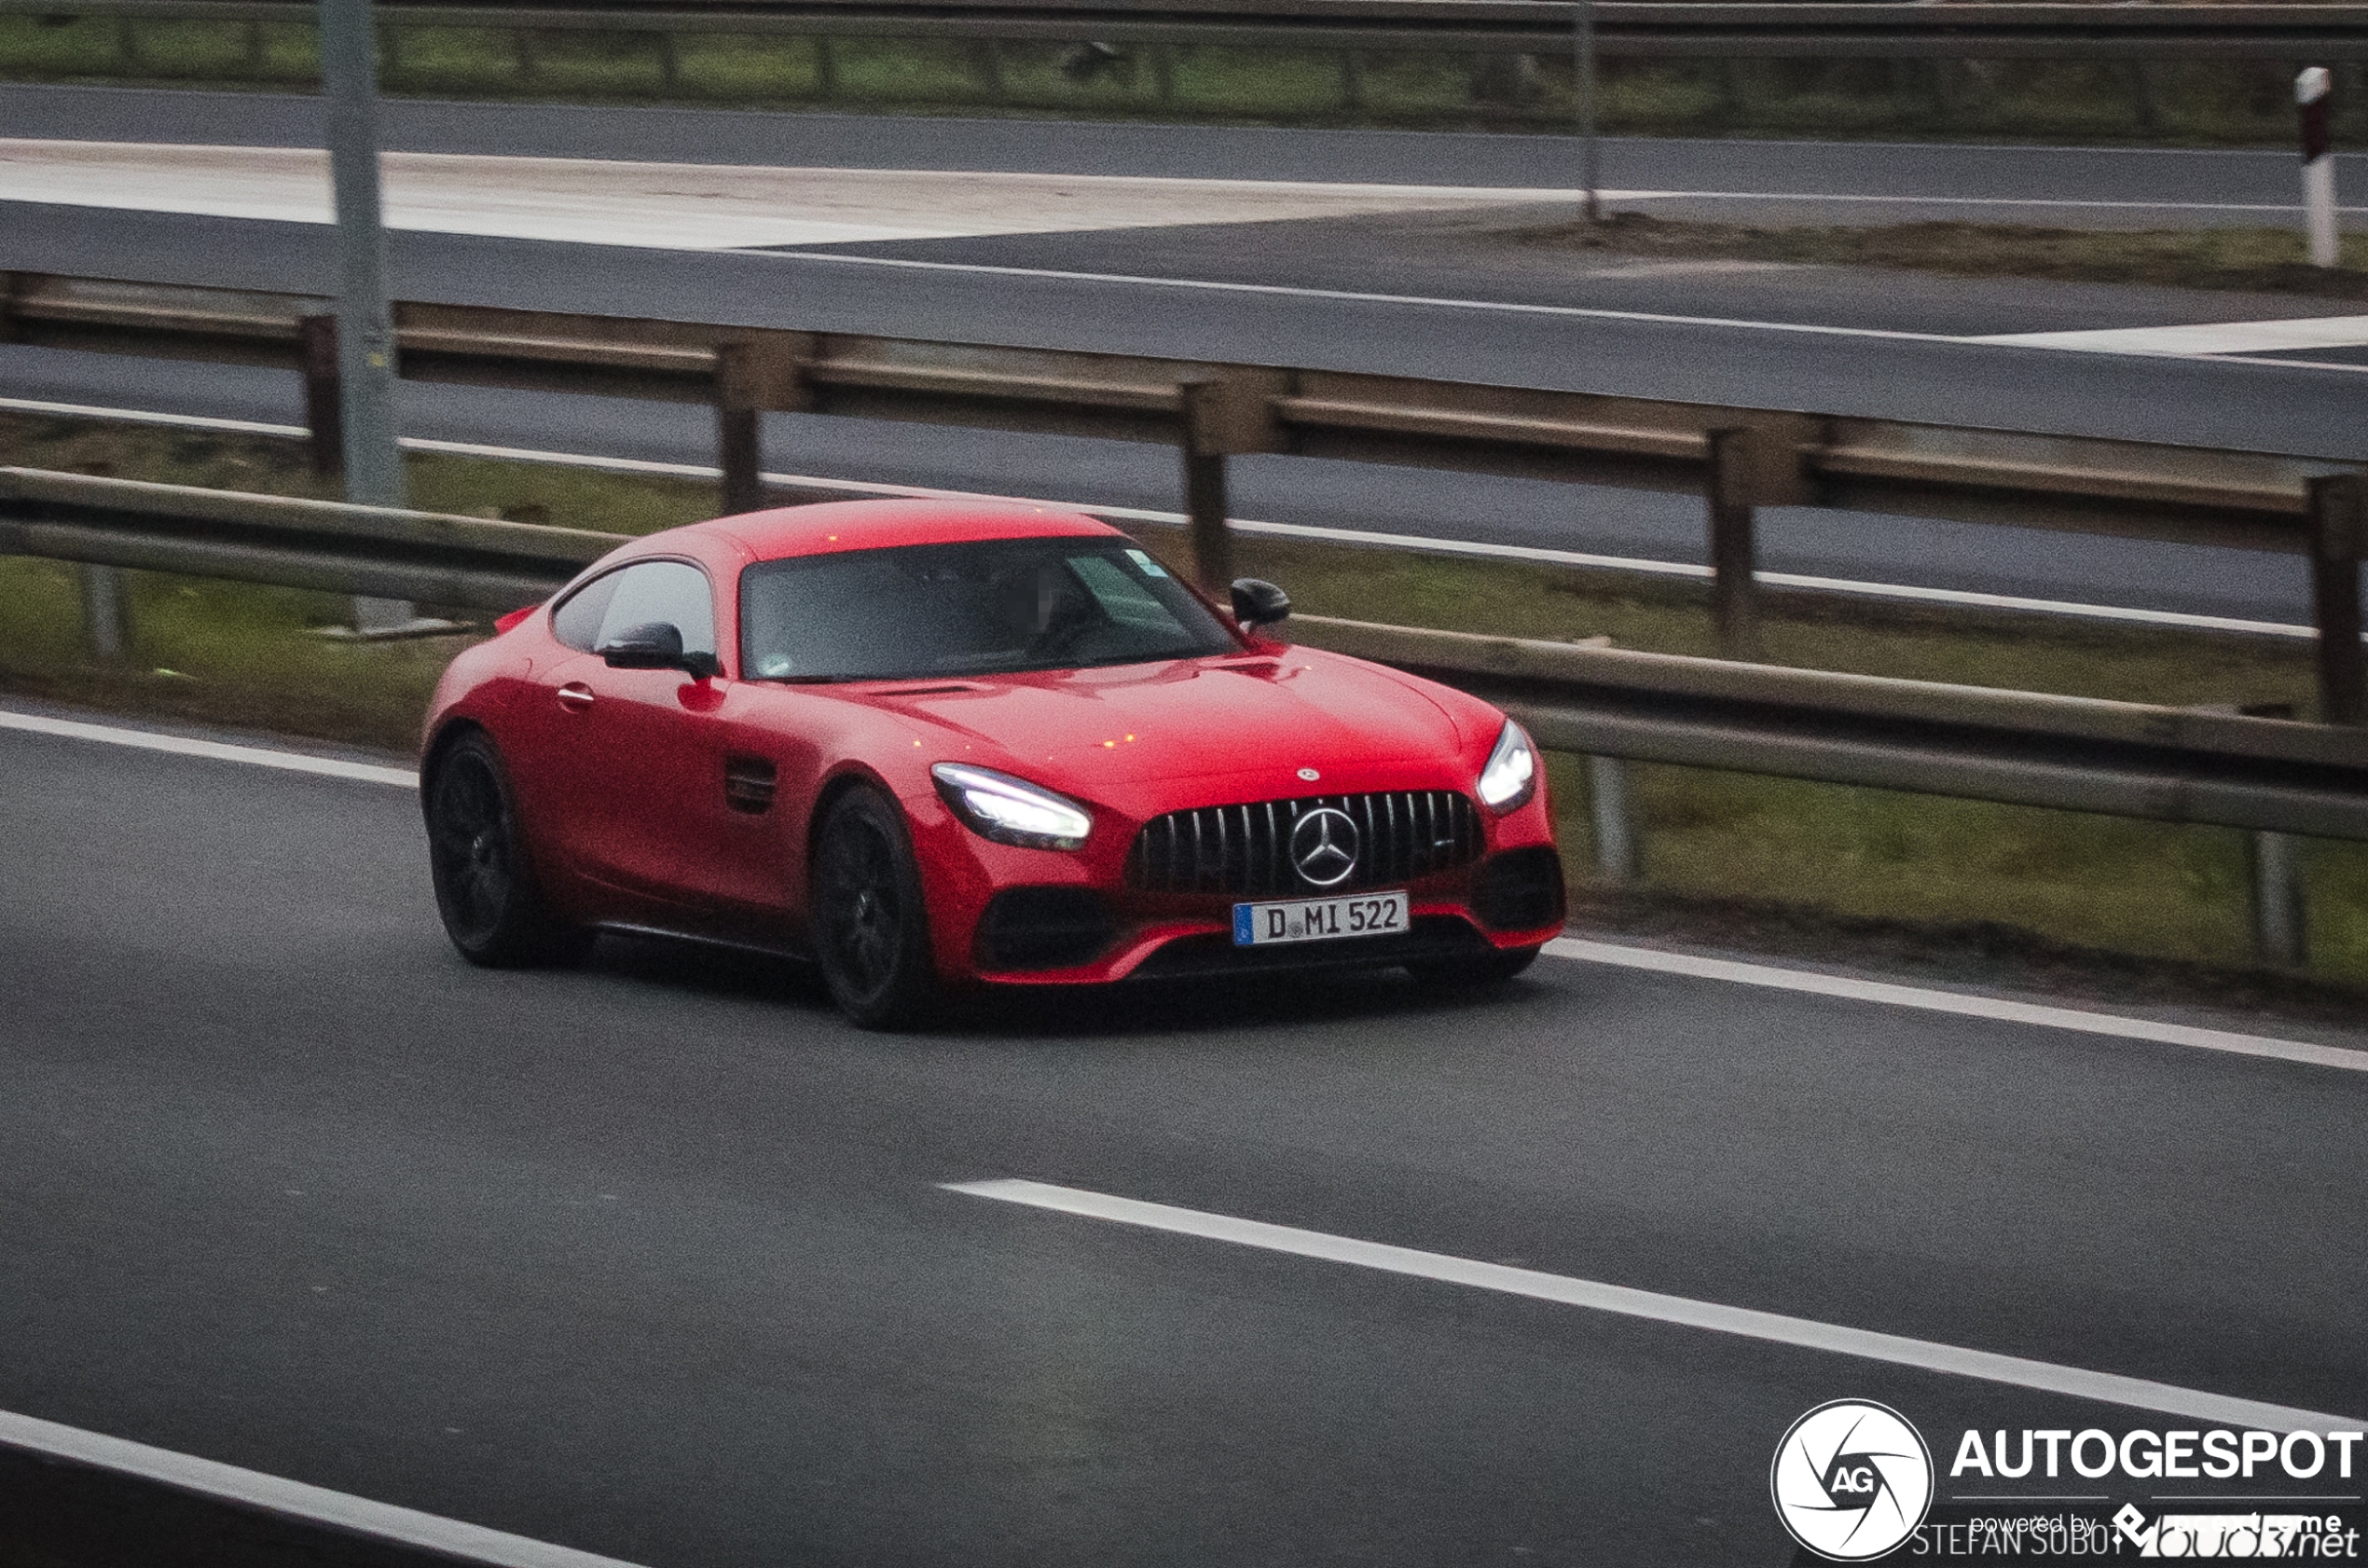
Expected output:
{"points": [[928, 744]]}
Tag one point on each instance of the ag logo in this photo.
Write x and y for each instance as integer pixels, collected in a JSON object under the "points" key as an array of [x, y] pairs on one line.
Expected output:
{"points": [[1852, 1480]]}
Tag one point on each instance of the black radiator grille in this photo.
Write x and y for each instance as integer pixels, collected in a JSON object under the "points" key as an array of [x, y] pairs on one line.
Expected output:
{"points": [[1245, 850]]}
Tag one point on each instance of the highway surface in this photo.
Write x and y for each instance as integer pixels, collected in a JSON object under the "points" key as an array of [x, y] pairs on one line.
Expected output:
{"points": [[2153, 185], [656, 1259]]}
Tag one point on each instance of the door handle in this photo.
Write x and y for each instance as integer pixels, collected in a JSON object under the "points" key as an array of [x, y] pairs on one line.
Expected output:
{"points": [[576, 697]]}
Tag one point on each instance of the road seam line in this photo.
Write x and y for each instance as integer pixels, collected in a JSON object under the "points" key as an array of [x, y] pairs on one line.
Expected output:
{"points": [[1418, 544], [1923, 1000], [1626, 1301], [276, 1494]]}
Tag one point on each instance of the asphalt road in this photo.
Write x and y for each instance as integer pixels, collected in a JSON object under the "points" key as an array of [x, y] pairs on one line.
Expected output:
{"points": [[651, 1259], [2167, 183]]}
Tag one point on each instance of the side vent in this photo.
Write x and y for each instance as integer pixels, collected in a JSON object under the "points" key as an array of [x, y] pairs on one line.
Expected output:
{"points": [[747, 784]]}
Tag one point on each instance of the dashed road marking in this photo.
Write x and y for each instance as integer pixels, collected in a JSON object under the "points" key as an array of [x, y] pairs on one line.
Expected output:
{"points": [[1748, 1323], [296, 1500]]}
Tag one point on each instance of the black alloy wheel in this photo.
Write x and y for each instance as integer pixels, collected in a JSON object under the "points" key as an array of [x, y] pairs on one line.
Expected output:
{"points": [[871, 924], [485, 886]]}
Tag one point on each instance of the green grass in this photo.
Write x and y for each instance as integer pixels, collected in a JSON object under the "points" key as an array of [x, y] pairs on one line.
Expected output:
{"points": [[2195, 101], [245, 656], [2268, 260]]}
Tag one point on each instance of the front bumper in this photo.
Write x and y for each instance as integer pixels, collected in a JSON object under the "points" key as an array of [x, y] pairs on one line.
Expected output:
{"points": [[1044, 917], [1077, 935]]}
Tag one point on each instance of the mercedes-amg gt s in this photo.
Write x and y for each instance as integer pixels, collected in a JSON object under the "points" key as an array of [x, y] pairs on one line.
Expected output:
{"points": [[928, 744]]}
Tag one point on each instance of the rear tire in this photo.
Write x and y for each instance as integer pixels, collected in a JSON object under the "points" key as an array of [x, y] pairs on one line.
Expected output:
{"points": [[870, 916], [1467, 974], [485, 890]]}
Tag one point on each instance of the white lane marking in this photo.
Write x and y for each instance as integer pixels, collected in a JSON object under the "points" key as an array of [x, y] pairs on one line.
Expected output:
{"points": [[1501, 307], [1958, 1003], [1357, 296], [1414, 541], [144, 417], [740, 209], [1806, 1333], [685, 206], [2210, 338], [316, 1505], [215, 750]]}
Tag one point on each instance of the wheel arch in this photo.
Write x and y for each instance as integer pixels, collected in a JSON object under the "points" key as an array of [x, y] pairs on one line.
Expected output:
{"points": [[850, 776]]}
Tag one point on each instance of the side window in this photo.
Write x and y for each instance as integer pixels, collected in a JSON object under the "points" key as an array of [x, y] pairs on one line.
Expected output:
{"points": [[663, 591], [653, 591], [577, 623]]}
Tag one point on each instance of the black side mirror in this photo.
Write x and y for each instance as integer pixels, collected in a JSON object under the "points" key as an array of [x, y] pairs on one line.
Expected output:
{"points": [[654, 645], [1258, 603]]}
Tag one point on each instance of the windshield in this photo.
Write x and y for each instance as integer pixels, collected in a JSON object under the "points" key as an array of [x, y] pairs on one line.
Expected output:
{"points": [[975, 607]]}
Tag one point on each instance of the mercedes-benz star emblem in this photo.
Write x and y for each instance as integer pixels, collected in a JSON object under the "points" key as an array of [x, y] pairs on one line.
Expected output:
{"points": [[1324, 845]]}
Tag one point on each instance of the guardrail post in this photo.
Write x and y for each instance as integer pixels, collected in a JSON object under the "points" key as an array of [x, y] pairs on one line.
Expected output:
{"points": [[2280, 933], [2335, 528], [1205, 489], [1609, 803], [670, 64], [739, 428], [1734, 590], [107, 612], [323, 395]]}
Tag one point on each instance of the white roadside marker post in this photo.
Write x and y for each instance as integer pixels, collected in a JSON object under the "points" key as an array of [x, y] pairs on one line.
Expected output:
{"points": [[1583, 82], [2318, 165]]}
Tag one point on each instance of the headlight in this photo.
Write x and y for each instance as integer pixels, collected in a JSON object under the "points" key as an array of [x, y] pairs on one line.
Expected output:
{"points": [[1010, 810], [1510, 776]]}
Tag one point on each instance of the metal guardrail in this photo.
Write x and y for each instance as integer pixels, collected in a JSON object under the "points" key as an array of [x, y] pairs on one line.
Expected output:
{"points": [[2031, 748], [1737, 458], [473, 563], [1624, 28], [2117, 758]]}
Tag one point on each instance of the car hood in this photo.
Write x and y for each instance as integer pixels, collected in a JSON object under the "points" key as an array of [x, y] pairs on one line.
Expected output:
{"points": [[1183, 719]]}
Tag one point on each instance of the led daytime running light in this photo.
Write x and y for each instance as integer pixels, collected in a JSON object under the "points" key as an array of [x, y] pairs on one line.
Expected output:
{"points": [[1510, 776], [1010, 810]]}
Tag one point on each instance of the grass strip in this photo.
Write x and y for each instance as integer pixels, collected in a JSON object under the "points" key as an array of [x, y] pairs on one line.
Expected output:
{"points": [[2158, 103], [2260, 260], [1742, 847]]}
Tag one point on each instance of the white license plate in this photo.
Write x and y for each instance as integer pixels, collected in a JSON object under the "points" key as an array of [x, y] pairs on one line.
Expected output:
{"points": [[1364, 914]]}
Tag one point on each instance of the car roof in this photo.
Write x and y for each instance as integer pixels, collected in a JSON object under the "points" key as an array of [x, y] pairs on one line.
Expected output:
{"points": [[834, 526]]}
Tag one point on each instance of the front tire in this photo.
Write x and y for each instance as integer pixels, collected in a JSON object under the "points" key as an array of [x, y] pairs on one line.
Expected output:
{"points": [[485, 890], [870, 917], [1469, 974]]}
